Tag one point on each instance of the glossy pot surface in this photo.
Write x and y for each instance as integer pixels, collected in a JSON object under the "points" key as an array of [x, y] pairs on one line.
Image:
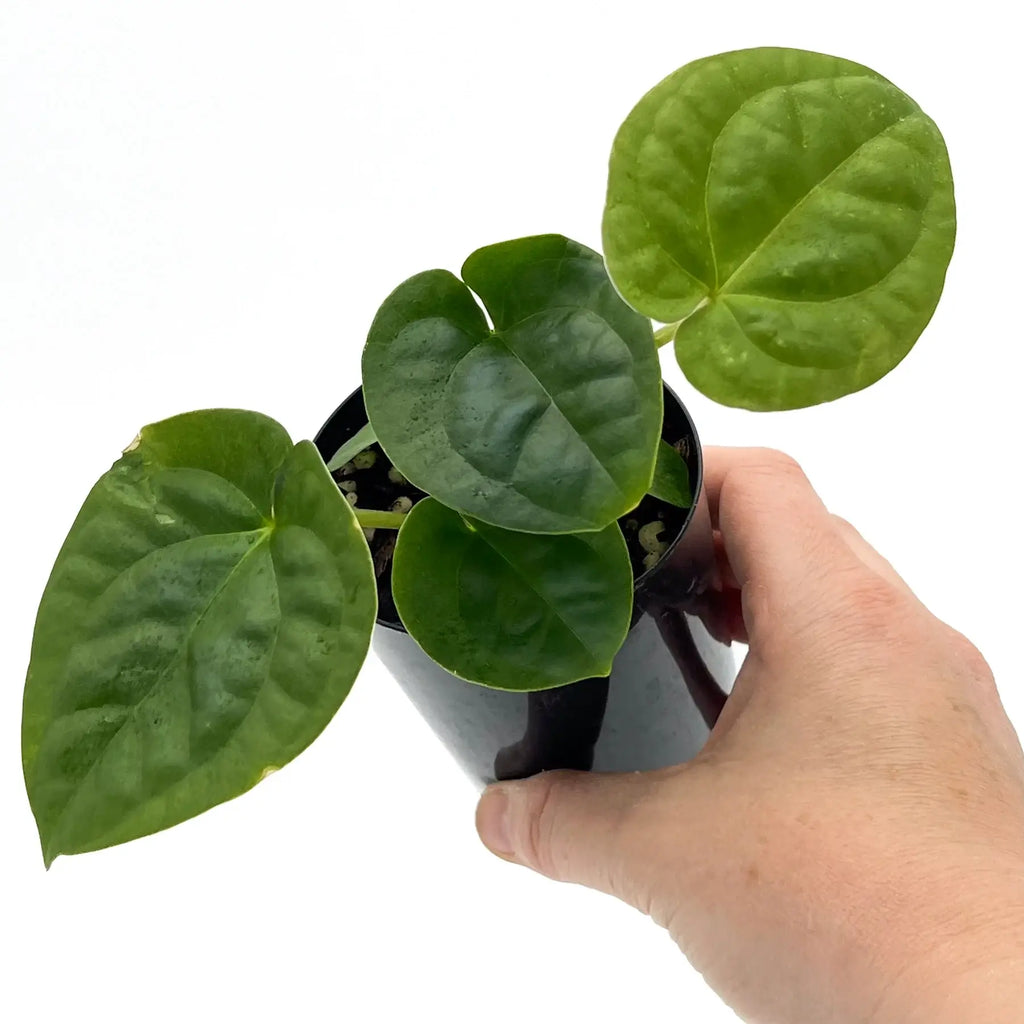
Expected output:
{"points": [[668, 682]]}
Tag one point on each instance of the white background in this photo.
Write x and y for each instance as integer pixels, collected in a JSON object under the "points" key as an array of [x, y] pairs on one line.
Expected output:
{"points": [[202, 204]]}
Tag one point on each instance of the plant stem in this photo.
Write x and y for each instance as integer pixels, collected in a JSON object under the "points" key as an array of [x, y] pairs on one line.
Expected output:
{"points": [[359, 441], [370, 518], [663, 335]]}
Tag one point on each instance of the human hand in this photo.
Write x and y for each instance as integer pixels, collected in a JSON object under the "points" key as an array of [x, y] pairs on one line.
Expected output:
{"points": [[849, 845]]}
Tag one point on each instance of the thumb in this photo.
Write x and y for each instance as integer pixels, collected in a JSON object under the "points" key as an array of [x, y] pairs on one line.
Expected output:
{"points": [[590, 828]]}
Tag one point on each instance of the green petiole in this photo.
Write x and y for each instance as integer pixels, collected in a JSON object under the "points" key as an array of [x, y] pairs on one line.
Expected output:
{"points": [[371, 519]]}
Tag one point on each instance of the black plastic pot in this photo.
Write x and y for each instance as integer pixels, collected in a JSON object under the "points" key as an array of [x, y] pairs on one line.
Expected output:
{"points": [[668, 683]]}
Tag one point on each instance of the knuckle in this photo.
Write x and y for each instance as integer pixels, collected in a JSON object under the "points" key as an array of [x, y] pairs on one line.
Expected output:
{"points": [[535, 841], [968, 657], [844, 526], [760, 475], [782, 462], [867, 612], [770, 464], [874, 601]]}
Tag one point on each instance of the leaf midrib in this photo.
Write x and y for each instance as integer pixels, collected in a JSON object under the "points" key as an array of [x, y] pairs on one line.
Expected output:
{"points": [[724, 289], [714, 290], [499, 338], [264, 539], [478, 534]]}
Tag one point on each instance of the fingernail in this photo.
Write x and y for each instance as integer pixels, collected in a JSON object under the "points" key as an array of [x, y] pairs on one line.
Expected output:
{"points": [[492, 822]]}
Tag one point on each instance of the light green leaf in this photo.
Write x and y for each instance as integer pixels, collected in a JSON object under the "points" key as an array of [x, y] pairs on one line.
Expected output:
{"points": [[547, 424], [794, 211], [359, 441], [204, 620], [513, 611], [671, 481]]}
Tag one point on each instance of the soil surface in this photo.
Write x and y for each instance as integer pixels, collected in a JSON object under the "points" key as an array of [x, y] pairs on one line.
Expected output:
{"points": [[375, 489]]}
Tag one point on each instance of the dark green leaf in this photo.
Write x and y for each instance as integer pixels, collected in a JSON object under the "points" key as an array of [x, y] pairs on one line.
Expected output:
{"points": [[795, 211], [548, 423], [204, 620], [510, 610], [671, 481]]}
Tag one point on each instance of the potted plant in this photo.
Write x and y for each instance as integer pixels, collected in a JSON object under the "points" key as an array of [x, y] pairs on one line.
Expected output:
{"points": [[513, 477]]}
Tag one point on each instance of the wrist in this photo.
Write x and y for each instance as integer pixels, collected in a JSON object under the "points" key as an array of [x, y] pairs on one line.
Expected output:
{"points": [[987, 993], [972, 973]]}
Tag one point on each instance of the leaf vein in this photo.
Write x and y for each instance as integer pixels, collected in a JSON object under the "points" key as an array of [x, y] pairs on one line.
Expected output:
{"points": [[499, 338], [807, 195], [530, 586], [76, 791]]}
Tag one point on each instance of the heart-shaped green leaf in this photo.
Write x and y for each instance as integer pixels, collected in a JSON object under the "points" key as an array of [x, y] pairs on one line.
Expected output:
{"points": [[795, 211], [205, 618], [547, 424], [514, 611]]}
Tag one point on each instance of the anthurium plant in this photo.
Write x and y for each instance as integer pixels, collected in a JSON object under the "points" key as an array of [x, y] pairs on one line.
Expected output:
{"points": [[786, 217]]}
